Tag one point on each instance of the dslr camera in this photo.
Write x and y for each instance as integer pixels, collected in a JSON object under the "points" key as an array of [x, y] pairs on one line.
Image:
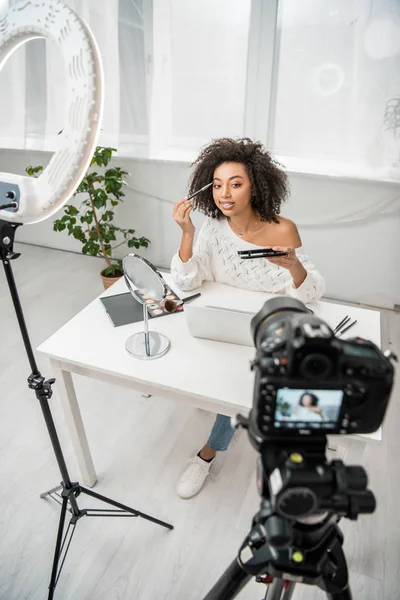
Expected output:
{"points": [[308, 384]]}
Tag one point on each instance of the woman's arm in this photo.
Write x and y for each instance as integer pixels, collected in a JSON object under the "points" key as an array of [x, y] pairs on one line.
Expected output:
{"points": [[307, 284], [289, 240], [298, 274], [181, 214], [186, 247], [312, 287], [191, 265]]}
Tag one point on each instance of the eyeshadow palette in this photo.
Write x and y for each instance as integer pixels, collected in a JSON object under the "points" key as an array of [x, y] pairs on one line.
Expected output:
{"points": [[155, 308], [123, 309]]}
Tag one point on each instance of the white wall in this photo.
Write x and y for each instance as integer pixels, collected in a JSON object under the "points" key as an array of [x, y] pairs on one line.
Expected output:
{"points": [[359, 260]]}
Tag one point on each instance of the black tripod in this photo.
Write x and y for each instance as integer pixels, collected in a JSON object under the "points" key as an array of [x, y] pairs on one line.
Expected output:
{"points": [[266, 555], [66, 494], [295, 536]]}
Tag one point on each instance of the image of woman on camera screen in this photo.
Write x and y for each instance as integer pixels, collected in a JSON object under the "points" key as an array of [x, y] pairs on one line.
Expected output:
{"points": [[309, 404], [242, 208]]}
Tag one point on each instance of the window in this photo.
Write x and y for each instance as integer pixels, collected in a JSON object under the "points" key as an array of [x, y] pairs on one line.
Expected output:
{"points": [[336, 95], [199, 76], [317, 82], [135, 35]]}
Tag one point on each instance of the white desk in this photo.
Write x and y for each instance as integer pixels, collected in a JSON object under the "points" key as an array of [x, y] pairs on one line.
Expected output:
{"points": [[211, 375]]}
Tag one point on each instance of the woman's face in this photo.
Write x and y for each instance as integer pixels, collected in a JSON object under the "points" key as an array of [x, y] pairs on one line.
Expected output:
{"points": [[306, 400], [232, 188]]}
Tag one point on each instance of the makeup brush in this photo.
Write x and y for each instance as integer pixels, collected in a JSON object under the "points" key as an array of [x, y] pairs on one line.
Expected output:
{"points": [[342, 323], [200, 190], [171, 305], [346, 328]]}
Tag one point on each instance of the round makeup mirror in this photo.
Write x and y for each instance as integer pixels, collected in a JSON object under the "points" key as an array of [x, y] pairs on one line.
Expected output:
{"points": [[146, 285]]}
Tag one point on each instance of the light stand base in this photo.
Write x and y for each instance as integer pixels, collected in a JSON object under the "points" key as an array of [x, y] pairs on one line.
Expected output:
{"points": [[157, 346], [66, 497]]}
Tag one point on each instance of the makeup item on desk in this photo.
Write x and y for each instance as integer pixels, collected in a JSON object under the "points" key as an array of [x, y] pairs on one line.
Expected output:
{"points": [[342, 323], [156, 308], [347, 328], [200, 190], [171, 305], [124, 309]]}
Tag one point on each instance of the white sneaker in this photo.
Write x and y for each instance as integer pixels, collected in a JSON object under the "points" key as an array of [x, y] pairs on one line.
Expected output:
{"points": [[193, 478]]}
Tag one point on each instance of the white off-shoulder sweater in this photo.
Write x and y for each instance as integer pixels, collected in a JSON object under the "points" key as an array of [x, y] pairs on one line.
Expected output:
{"points": [[215, 258]]}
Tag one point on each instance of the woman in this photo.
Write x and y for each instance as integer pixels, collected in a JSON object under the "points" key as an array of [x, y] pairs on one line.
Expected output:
{"points": [[242, 209], [310, 403]]}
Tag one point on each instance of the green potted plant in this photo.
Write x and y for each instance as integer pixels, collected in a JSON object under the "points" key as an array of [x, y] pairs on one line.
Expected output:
{"points": [[92, 222], [283, 407]]}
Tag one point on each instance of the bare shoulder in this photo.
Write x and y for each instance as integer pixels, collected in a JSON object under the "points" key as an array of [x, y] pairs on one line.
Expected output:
{"points": [[285, 233]]}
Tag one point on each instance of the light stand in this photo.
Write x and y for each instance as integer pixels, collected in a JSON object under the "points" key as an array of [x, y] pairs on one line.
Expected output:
{"points": [[66, 494]]}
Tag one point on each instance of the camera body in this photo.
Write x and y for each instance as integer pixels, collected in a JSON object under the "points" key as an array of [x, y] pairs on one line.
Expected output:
{"points": [[309, 383]]}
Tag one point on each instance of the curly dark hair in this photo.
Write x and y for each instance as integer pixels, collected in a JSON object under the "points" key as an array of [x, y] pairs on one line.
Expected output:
{"points": [[314, 399], [268, 182]]}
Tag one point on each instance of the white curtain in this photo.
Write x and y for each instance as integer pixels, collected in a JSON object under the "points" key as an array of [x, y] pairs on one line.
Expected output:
{"points": [[175, 75]]}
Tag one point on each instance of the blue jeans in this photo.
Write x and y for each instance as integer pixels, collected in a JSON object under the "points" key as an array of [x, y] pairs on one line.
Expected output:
{"points": [[221, 433]]}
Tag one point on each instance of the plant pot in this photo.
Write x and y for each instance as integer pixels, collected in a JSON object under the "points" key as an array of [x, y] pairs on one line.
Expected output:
{"points": [[109, 280]]}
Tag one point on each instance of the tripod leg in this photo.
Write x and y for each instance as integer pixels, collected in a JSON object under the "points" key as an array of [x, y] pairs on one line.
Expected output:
{"points": [[60, 545], [230, 584], [54, 494], [52, 491], [128, 509], [275, 589], [280, 590], [338, 588], [289, 591]]}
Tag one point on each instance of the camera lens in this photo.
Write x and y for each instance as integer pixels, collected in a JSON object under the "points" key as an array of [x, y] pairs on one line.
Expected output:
{"points": [[271, 309], [315, 365]]}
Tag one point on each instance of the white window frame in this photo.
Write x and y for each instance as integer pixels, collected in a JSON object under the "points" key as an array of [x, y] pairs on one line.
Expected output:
{"points": [[261, 69], [137, 145]]}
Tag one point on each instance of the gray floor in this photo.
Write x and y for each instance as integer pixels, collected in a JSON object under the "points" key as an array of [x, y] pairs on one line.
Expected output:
{"points": [[139, 448]]}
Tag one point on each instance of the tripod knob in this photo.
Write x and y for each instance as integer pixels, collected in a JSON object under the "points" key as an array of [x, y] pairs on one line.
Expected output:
{"points": [[13, 255], [363, 502], [357, 478], [279, 532], [295, 502]]}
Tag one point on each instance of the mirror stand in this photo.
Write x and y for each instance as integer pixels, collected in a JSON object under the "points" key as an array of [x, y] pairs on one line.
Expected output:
{"points": [[147, 344]]}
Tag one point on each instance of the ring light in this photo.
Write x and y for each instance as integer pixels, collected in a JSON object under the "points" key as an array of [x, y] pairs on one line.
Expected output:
{"points": [[36, 199]]}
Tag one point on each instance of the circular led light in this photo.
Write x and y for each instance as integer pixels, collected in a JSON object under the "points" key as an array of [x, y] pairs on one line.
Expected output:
{"points": [[38, 199]]}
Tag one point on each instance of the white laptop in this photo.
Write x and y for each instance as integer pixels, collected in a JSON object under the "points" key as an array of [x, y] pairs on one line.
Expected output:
{"points": [[220, 324]]}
